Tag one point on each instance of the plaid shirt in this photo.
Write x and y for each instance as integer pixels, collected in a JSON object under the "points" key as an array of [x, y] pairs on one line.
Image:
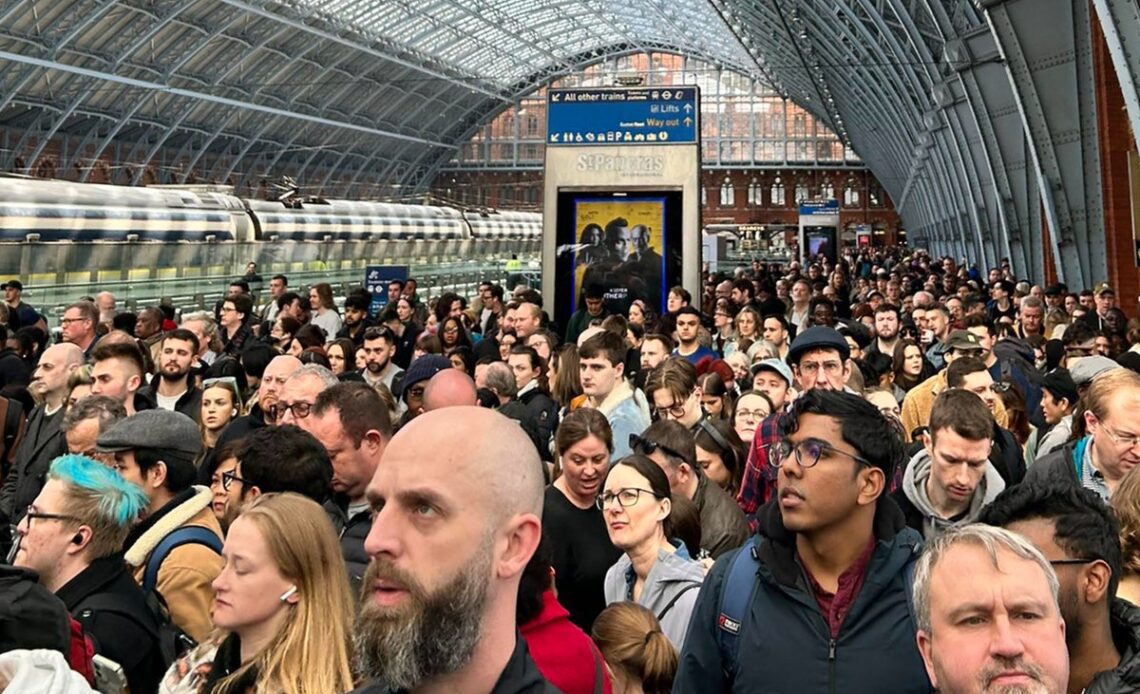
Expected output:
{"points": [[759, 482]]}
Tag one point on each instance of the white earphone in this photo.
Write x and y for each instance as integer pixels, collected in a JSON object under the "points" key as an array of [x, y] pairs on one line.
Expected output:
{"points": [[288, 594]]}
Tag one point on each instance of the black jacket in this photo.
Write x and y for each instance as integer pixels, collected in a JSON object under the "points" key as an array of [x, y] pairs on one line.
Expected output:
{"points": [[543, 414], [190, 404], [785, 644], [1056, 467], [43, 442], [352, 532], [1125, 678], [14, 371], [105, 599], [520, 676]]}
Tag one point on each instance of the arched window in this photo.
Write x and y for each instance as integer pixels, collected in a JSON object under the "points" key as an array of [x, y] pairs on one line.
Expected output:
{"points": [[827, 190], [778, 196], [755, 196], [851, 195], [727, 193], [801, 192]]}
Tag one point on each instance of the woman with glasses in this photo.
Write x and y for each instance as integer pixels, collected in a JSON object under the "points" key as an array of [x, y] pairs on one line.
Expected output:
{"points": [[220, 476], [752, 408], [282, 609], [654, 572], [452, 334], [573, 524]]}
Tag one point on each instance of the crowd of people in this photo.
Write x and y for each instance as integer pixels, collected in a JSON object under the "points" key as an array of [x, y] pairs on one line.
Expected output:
{"points": [[888, 474]]}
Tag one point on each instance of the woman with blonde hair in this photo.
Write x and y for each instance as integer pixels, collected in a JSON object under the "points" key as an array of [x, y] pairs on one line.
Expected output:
{"points": [[282, 610], [639, 655], [1126, 504]]}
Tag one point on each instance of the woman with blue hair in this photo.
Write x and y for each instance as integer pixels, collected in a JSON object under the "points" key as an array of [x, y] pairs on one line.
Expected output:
{"points": [[72, 535]]}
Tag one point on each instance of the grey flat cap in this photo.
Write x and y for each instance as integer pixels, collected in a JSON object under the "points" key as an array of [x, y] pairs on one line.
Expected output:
{"points": [[161, 430]]}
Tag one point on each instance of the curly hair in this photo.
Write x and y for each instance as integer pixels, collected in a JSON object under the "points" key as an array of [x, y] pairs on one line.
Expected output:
{"points": [[1126, 504]]}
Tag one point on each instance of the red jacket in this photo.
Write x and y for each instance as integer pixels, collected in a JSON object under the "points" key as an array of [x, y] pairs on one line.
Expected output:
{"points": [[564, 654]]}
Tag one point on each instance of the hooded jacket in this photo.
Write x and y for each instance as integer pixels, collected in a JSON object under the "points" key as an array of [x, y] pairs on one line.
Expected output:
{"points": [[673, 576], [916, 506], [785, 643], [352, 532], [1125, 677], [186, 573]]}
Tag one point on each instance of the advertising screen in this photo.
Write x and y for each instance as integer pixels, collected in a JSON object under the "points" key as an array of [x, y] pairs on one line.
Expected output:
{"points": [[629, 245]]}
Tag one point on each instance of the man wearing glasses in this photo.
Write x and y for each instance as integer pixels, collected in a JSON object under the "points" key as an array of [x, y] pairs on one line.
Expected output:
{"points": [[157, 450], [819, 360], [828, 575], [300, 394], [72, 536], [1008, 365], [673, 392], [78, 326], [1111, 447], [1079, 536]]}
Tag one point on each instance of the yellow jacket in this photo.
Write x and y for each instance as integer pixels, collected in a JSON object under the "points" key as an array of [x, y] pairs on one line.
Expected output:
{"points": [[919, 401]]}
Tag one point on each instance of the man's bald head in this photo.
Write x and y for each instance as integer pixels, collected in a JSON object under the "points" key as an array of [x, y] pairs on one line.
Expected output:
{"points": [[65, 353], [506, 474], [273, 380], [449, 388]]}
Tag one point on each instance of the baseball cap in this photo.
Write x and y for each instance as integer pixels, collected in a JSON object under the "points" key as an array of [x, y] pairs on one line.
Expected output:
{"points": [[1103, 288], [1060, 385], [964, 339], [1085, 369], [160, 430], [14, 284], [773, 364], [423, 369], [1056, 289], [817, 337]]}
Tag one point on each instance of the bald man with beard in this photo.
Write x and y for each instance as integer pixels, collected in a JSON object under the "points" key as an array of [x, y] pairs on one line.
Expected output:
{"points": [[457, 503]]}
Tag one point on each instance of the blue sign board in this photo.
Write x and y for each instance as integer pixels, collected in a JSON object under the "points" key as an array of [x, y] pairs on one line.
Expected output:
{"points": [[819, 208], [637, 116], [376, 279]]}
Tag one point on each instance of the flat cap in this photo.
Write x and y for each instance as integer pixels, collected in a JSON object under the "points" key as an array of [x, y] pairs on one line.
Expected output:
{"points": [[160, 430], [1085, 369], [817, 337]]}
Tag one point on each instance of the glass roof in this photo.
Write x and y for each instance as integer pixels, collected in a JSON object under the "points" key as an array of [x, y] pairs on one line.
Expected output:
{"points": [[505, 41]]}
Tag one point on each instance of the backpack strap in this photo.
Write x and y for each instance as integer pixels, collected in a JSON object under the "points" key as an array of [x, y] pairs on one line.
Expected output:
{"points": [[186, 535], [669, 605], [735, 596]]}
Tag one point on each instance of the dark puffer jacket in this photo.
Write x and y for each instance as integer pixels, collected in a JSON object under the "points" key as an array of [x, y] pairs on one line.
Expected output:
{"points": [[785, 644], [352, 532]]}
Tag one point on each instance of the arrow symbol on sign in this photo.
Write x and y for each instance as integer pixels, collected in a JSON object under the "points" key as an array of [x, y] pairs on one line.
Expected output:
{"points": [[554, 137], [688, 121], [555, 97], [688, 108]]}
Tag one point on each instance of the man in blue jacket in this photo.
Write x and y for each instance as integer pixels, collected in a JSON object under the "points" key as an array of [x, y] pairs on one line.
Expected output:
{"points": [[826, 580]]}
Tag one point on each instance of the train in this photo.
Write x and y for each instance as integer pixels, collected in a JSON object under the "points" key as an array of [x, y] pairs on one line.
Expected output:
{"points": [[67, 239], [35, 210]]}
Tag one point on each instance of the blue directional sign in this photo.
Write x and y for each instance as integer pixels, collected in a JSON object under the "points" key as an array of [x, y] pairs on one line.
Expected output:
{"points": [[376, 279], [638, 116], [819, 208]]}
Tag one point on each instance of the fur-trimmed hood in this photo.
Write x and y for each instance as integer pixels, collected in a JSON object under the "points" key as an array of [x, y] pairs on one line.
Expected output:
{"points": [[175, 514]]}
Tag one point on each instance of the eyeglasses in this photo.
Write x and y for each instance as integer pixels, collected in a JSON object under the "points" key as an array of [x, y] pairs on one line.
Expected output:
{"points": [[1130, 440], [300, 409], [829, 367], [32, 514], [228, 479], [676, 410], [227, 309], [1069, 562], [625, 497], [751, 414], [807, 452], [647, 447], [69, 321]]}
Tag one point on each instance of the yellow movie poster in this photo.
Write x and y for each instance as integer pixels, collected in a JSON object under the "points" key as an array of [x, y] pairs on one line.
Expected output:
{"points": [[621, 246]]}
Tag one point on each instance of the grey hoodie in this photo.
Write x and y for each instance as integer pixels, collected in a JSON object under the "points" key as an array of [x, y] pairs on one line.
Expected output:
{"points": [[671, 574], [914, 487]]}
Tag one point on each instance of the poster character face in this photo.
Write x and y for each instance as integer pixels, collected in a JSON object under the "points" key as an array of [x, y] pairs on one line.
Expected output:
{"points": [[641, 235], [591, 235], [620, 239]]}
